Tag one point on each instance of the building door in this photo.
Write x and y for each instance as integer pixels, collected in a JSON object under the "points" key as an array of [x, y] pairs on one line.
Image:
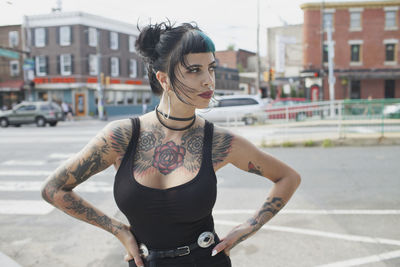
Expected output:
{"points": [[389, 88], [355, 92], [80, 104]]}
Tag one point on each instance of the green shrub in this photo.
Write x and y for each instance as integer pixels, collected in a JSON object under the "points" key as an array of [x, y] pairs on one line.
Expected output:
{"points": [[287, 144], [309, 143], [327, 143]]}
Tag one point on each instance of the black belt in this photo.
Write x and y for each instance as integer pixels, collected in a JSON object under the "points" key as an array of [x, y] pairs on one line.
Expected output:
{"points": [[205, 240]]}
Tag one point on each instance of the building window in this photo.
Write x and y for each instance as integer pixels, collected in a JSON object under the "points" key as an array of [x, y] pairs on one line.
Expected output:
{"points": [[355, 90], [355, 53], [65, 35], [114, 66], [40, 37], [132, 68], [13, 39], [355, 21], [390, 88], [114, 40], [390, 52], [390, 20], [145, 72], [92, 37], [328, 20], [110, 97], [41, 65], [132, 41], [14, 67], [93, 65], [325, 54], [66, 64]]}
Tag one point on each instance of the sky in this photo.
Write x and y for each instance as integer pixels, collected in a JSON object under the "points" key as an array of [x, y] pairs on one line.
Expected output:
{"points": [[227, 22]]}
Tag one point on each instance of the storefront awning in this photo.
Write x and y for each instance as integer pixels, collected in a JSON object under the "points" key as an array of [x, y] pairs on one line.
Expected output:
{"points": [[11, 86], [371, 74]]}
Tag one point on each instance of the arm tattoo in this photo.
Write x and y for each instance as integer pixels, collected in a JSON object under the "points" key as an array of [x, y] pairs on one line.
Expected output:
{"points": [[254, 169], [120, 138], [148, 140], [267, 211], [77, 205], [222, 143], [57, 181], [91, 165], [193, 141]]}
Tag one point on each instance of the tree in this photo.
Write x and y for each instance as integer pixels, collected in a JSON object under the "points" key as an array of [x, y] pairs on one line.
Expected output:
{"points": [[231, 47]]}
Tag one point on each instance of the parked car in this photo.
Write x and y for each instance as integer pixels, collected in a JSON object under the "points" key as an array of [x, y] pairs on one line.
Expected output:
{"points": [[277, 108], [392, 111], [40, 113], [246, 108]]}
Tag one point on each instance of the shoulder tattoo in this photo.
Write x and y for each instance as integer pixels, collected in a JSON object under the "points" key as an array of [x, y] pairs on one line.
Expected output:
{"points": [[221, 146]]}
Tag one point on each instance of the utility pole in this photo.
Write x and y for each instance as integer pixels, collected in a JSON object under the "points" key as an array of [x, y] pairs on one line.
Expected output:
{"points": [[331, 77], [322, 73], [258, 49], [100, 106]]}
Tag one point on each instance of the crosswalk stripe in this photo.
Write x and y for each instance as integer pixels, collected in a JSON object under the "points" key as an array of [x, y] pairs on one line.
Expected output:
{"points": [[60, 156], [24, 163], [24, 173], [25, 207], [35, 186]]}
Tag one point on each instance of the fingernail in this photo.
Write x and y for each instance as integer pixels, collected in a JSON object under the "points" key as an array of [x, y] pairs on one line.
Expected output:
{"points": [[214, 252]]}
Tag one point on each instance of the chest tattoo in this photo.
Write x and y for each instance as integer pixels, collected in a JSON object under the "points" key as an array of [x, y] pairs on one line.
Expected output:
{"points": [[154, 150]]}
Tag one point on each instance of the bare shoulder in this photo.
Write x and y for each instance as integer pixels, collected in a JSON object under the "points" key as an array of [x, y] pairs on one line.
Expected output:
{"points": [[221, 146], [118, 134]]}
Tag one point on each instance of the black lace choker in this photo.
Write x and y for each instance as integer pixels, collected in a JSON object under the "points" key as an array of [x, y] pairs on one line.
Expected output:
{"points": [[174, 129], [175, 118]]}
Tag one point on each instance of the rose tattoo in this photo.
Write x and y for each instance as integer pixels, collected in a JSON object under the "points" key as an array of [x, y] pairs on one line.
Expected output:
{"points": [[167, 157]]}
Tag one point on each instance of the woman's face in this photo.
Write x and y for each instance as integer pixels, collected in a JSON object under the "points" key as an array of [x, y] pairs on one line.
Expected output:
{"points": [[199, 75]]}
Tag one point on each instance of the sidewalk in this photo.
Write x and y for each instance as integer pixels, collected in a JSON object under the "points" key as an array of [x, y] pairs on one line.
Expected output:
{"points": [[6, 261]]}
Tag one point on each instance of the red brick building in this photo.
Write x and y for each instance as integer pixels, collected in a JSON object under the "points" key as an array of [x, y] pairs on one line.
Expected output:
{"points": [[234, 59], [366, 48]]}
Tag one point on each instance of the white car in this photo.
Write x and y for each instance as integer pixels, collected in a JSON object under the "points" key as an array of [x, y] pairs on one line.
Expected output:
{"points": [[246, 108]]}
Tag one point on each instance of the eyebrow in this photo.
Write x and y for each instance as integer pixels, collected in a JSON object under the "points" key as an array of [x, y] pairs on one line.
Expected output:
{"points": [[199, 65]]}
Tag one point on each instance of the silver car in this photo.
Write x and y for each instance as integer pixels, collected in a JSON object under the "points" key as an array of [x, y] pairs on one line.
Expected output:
{"points": [[40, 113], [246, 108]]}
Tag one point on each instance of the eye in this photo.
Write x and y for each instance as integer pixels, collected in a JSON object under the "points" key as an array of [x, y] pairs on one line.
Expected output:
{"points": [[212, 68], [193, 70]]}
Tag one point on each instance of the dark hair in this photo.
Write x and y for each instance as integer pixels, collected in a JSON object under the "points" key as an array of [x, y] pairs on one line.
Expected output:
{"points": [[163, 46]]}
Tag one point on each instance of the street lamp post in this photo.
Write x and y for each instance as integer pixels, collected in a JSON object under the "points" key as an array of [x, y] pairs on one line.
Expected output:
{"points": [[100, 105]]}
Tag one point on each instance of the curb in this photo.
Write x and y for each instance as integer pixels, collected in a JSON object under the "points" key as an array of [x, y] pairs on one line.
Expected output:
{"points": [[6, 261]]}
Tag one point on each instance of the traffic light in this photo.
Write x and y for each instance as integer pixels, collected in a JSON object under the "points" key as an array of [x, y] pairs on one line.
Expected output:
{"points": [[316, 74], [108, 80], [266, 76], [271, 74], [102, 78]]}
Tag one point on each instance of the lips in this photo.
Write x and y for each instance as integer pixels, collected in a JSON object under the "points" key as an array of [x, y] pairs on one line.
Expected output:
{"points": [[207, 94]]}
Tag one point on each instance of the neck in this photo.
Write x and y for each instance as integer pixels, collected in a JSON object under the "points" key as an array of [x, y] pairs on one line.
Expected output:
{"points": [[178, 109]]}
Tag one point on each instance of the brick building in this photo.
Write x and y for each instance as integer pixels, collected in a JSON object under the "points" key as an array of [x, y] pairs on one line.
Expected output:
{"points": [[65, 48], [366, 48], [11, 62]]}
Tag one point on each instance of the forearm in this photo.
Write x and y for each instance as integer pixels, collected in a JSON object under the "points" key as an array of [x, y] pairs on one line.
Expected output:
{"points": [[279, 195], [74, 205]]}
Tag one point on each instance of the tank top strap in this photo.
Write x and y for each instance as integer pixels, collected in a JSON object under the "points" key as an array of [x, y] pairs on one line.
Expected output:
{"points": [[135, 130], [208, 138]]}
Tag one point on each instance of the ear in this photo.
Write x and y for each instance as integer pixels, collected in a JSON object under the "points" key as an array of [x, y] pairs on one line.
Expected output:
{"points": [[162, 78]]}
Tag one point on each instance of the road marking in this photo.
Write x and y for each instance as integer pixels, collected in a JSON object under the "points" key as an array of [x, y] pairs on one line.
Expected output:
{"points": [[60, 156], [317, 212], [355, 238], [24, 163], [365, 260], [35, 186], [41, 140], [25, 207], [24, 173]]}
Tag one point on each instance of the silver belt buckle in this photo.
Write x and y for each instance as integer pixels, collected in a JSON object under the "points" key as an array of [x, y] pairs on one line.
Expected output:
{"points": [[205, 240], [143, 251]]}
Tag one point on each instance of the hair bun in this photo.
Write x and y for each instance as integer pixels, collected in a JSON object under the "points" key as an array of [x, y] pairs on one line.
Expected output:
{"points": [[148, 38]]}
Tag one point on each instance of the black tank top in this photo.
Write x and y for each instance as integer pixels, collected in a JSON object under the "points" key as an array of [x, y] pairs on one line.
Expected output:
{"points": [[172, 217]]}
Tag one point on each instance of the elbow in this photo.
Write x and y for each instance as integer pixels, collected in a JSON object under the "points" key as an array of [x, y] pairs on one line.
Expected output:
{"points": [[296, 179], [45, 192]]}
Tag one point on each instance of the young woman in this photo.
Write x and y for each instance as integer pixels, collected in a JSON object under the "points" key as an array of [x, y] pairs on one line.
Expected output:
{"points": [[166, 161]]}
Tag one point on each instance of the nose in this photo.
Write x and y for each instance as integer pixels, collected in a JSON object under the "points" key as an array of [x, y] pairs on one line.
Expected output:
{"points": [[209, 80]]}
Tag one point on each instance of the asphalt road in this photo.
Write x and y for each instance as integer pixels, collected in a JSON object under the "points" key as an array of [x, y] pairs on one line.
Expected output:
{"points": [[345, 212]]}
